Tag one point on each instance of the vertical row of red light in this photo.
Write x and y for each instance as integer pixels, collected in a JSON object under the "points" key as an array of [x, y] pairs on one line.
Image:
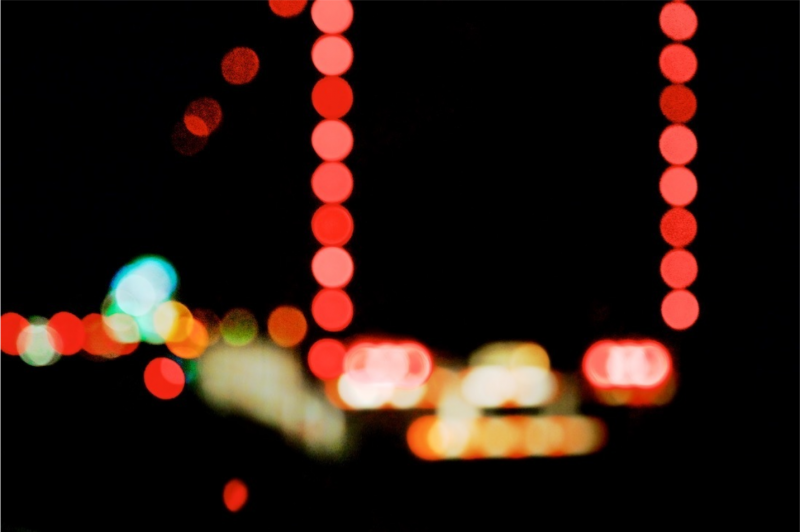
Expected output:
{"points": [[678, 146], [332, 183]]}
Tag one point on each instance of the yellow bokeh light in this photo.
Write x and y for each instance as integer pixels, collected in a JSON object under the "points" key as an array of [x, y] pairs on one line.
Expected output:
{"points": [[193, 345], [172, 321]]}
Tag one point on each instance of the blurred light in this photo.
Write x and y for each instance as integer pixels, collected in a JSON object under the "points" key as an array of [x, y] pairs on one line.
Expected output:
{"points": [[417, 437], [193, 345], [326, 358], [287, 8], [234, 495], [211, 323], [332, 225], [121, 328], [678, 227], [185, 142], [488, 386], [11, 325], [332, 97], [332, 16], [678, 21], [164, 378], [98, 341], [158, 274], [678, 103], [135, 295], [332, 55], [680, 309], [678, 63], [172, 321], [147, 329], [69, 329], [401, 364], [678, 268], [202, 116], [359, 395], [403, 398], [239, 327], [287, 326], [449, 437], [38, 344], [627, 364], [240, 66], [332, 309], [677, 144], [511, 354], [678, 186], [497, 437], [332, 182], [332, 267], [332, 140]]}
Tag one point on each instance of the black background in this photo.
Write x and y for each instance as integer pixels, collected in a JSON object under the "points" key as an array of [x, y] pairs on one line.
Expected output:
{"points": [[506, 187]]}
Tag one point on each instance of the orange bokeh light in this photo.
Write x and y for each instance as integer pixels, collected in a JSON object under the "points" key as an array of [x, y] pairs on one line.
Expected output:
{"points": [[332, 225], [332, 309], [287, 8], [678, 227], [677, 144], [193, 344], [332, 267], [234, 495], [98, 342], [70, 331], [678, 186], [678, 268], [417, 438], [185, 142], [240, 66], [287, 326], [11, 325], [678, 63], [680, 309], [332, 16], [332, 97], [332, 55], [164, 378], [678, 21], [678, 103], [332, 182], [332, 140], [202, 116], [326, 358]]}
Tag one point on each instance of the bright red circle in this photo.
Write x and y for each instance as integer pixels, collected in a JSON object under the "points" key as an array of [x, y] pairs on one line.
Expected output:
{"points": [[164, 378], [678, 227], [332, 140], [677, 144], [332, 97], [332, 182], [11, 325], [70, 331], [678, 186], [202, 116], [326, 358], [680, 309], [234, 495], [332, 309], [332, 55], [678, 63], [678, 21], [678, 103], [332, 16], [332, 225], [332, 267], [240, 66], [678, 268]]}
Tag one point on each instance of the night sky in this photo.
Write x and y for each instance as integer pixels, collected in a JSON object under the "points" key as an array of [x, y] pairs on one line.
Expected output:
{"points": [[506, 172]]}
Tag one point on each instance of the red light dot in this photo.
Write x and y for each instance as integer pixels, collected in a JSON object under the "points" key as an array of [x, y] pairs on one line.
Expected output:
{"points": [[11, 325], [332, 225], [332, 267], [680, 309], [240, 66], [234, 495], [287, 8], [678, 103], [332, 97], [678, 186], [678, 21], [332, 16], [332, 55], [326, 358], [678, 63], [677, 144], [164, 378], [678, 268], [332, 140], [185, 142], [678, 227], [202, 116], [69, 329], [97, 341], [332, 182], [332, 309]]}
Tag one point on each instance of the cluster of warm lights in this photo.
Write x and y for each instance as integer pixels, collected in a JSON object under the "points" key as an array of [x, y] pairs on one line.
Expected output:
{"points": [[440, 438], [678, 146], [332, 182]]}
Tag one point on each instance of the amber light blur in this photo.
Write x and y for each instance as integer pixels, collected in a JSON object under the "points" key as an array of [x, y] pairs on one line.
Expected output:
{"points": [[287, 326], [332, 16], [680, 309], [234, 495], [240, 66], [401, 364]]}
